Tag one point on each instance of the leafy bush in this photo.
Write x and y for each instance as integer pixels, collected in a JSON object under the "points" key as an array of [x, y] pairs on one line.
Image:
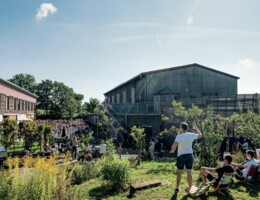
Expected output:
{"points": [[116, 173], [238, 157], [132, 160], [110, 150], [87, 171]]}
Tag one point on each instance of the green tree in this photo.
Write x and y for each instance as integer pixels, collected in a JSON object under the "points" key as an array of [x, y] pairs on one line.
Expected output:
{"points": [[79, 101], [29, 134], [45, 92], [47, 131], [92, 105], [25, 81], [139, 138], [247, 125], [64, 103], [211, 140], [43, 131], [9, 132], [39, 134], [85, 139]]}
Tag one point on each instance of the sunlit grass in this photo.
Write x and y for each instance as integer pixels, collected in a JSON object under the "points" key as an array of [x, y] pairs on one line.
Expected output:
{"points": [[160, 170]]}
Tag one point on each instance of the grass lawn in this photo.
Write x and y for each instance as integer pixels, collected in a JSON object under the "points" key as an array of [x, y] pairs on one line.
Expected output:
{"points": [[161, 170], [19, 146]]}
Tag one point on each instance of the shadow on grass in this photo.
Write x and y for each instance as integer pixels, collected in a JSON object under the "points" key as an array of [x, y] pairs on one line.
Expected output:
{"points": [[177, 197], [218, 196], [252, 190], [204, 196], [101, 192]]}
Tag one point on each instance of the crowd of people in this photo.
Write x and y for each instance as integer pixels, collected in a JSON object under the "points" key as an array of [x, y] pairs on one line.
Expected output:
{"points": [[66, 136]]}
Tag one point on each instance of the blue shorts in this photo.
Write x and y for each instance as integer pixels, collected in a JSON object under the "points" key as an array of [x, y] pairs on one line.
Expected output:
{"points": [[184, 160]]}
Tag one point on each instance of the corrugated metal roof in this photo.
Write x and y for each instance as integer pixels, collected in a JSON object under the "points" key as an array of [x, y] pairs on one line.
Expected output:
{"points": [[18, 87], [169, 69]]}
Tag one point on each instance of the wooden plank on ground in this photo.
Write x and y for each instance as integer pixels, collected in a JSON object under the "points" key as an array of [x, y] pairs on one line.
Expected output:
{"points": [[193, 191], [144, 185]]}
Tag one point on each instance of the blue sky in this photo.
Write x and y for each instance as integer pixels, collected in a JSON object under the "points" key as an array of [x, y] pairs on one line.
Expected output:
{"points": [[93, 45]]}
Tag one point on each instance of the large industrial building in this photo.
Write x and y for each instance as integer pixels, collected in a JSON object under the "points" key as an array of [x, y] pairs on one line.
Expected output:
{"points": [[15, 102], [144, 98]]}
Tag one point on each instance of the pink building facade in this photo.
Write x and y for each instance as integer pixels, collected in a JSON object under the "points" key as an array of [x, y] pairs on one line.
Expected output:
{"points": [[15, 102]]}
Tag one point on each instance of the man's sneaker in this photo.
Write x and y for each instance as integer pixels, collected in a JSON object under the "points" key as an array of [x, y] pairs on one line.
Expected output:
{"points": [[176, 190]]}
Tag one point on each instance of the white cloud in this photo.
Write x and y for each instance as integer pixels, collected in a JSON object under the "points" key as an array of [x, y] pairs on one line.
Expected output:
{"points": [[190, 20], [194, 7], [159, 42], [45, 9], [246, 62]]}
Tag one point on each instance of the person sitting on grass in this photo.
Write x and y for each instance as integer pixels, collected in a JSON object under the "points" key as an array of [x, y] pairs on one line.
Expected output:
{"points": [[243, 168], [85, 157], [206, 172]]}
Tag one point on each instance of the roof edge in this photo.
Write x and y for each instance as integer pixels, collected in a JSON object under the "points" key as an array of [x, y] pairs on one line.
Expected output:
{"points": [[18, 87], [168, 69]]}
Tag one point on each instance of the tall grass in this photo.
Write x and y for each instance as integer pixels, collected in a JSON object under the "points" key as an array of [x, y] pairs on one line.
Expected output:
{"points": [[38, 179]]}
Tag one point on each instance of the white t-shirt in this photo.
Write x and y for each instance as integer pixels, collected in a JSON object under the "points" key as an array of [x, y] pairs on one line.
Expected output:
{"points": [[102, 148], [247, 166], [185, 141]]}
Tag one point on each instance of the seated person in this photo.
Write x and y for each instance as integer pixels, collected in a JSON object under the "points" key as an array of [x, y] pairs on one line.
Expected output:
{"points": [[63, 148], [27, 153], [206, 172], [46, 147], [86, 157], [243, 168]]}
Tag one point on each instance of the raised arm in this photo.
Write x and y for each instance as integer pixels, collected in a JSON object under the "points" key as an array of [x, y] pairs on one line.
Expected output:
{"points": [[198, 132]]}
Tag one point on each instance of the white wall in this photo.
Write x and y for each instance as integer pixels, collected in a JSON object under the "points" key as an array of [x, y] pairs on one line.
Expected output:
{"points": [[21, 117]]}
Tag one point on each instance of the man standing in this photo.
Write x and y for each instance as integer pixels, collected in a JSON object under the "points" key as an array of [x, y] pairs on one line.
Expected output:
{"points": [[184, 143]]}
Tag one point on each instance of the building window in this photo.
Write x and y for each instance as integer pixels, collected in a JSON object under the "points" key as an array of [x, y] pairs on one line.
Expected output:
{"points": [[26, 105], [7, 103], [15, 103], [19, 106], [22, 105]]}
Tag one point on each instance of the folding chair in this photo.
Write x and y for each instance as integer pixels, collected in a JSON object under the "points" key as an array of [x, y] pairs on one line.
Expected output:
{"points": [[257, 177], [224, 182], [250, 177]]}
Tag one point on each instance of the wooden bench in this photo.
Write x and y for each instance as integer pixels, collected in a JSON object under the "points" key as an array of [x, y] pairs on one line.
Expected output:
{"points": [[144, 185]]}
